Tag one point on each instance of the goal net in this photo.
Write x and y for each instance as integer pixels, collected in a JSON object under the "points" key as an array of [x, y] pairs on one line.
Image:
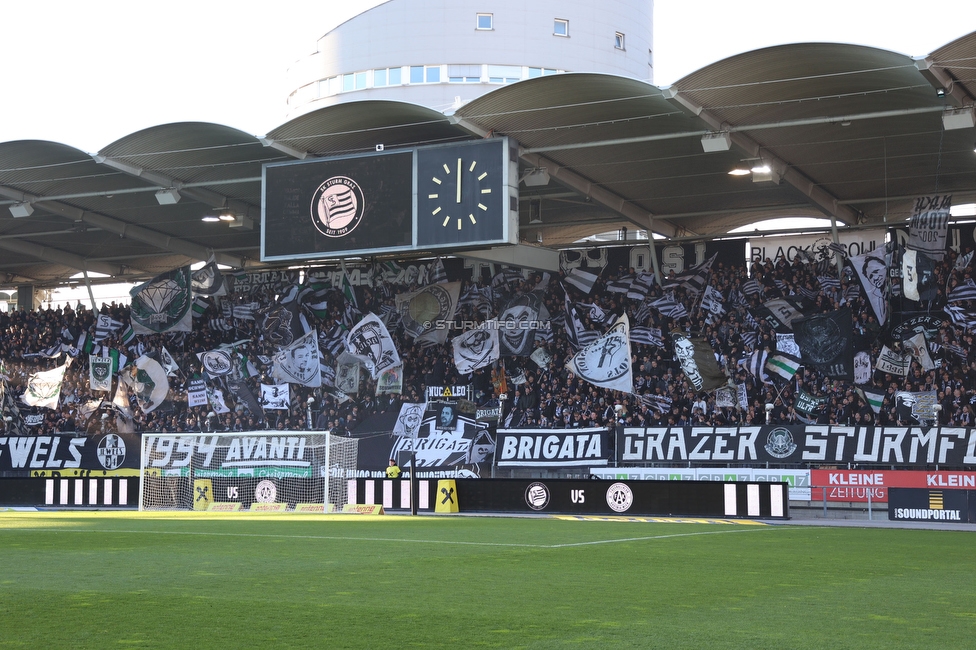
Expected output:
{"points": [[304, 471]]}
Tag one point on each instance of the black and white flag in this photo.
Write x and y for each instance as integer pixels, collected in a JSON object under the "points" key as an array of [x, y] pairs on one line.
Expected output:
{"points": [[427, 314], [347, 374], [582, 280], [697, 361], [893, 362], [928, 226], [298, 363], [918, 276], [476, 348], [872, 271], [208, 281], [517, 323], [216, 363], [826, 343], [275, 397], [370, 342], [606, 361]]}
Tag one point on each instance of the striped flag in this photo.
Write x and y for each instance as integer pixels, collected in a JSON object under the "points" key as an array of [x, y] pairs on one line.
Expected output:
{"points": [[200, 305], [828, 281], [750, 339], [643, 312], [874, 398], [640, 286], [245, 311], [806, 292], [670, 307], [128, 335], [963, 261], [961, 317], [582, 280], [105, 326], [659, 403], [647, 336], [783, 365], [965, 291], [621, 285], [755, 363], [695, 278], [751, 287], [438, 273]]}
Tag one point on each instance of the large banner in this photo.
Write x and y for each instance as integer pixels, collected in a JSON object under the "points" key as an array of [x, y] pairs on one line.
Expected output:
{"points": [[69, 455], [552, 447], [455, 447], [259, 454], [817, 246], [858, 485], [906, 446]]}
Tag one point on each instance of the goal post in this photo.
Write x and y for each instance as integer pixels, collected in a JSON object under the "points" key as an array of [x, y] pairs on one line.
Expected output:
{"points": [[304, 471]]}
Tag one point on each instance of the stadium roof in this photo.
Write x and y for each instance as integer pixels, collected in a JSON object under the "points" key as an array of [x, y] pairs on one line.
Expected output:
{"points": [[849, 131]]}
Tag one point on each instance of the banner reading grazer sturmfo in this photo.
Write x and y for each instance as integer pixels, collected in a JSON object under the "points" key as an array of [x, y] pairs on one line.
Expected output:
{"points": [[949, 447], [552, 447]]}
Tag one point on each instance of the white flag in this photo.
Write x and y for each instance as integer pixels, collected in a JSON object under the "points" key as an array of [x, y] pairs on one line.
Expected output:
{"points": [[298, 363], [370, 342], [275, 397], [606, 361], [44, 388], [476, 348]]}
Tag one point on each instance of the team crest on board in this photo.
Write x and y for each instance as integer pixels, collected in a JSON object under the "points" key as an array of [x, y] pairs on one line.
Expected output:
{"points": [[337, 206]]}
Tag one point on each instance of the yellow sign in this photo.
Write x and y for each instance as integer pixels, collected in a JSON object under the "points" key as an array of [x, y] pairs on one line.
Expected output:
{"points": [[447, 500], [310, 507], [224, 507], [362, 509], [269, 507], [202, 493]]}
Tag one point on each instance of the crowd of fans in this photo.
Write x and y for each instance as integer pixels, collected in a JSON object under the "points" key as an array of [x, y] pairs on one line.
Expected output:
{"points": [[547, 396]]}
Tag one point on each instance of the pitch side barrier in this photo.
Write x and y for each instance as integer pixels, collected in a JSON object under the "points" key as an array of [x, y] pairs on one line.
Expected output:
{"points": [[909, 447], [738, 499]]}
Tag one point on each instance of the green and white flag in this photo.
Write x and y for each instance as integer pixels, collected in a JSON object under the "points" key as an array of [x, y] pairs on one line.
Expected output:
{"points": [[100, 372], [782, 364], [44, 388], [874, 398], [162, 304], [149, 382]]}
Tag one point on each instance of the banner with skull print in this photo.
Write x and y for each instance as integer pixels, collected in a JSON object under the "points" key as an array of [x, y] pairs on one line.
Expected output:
{"points": [[476, 348]]}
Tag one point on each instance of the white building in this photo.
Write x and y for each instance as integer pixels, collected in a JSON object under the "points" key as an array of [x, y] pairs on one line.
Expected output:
{"points": [[444, 53]]}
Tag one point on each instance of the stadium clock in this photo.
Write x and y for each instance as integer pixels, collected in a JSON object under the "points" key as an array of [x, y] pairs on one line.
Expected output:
{"points": [[461, 195]]}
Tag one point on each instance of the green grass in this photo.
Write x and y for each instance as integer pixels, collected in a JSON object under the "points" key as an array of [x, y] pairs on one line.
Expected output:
{"points": [[119, 580]]}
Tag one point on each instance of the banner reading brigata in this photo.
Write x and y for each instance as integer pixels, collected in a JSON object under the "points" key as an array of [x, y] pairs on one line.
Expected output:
{"points": [[552, 447], [906, 446]]}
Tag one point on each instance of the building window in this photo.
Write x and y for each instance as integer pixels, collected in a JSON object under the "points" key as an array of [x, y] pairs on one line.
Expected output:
{"points": [[433, 74], [618, 41], [394, 76], [560, 27], [540, 72], [379, 78], [416, 74], [464, 74], [504, 74], [484, 22], [348, 82], [360, 80]]}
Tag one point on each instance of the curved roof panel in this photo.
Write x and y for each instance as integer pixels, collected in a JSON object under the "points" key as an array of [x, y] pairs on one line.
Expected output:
{"points": [[846, 130]]}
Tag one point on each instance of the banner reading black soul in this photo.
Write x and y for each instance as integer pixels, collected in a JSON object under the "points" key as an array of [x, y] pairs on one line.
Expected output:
{"points": [[901, 446], [69, 454], [350, 204]]}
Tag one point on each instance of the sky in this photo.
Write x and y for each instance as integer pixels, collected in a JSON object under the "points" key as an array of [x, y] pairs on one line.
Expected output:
{"points": [[89, 73]]}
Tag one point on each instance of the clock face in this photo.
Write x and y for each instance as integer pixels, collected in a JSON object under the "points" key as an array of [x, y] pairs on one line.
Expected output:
{"points": [[460, 194]]}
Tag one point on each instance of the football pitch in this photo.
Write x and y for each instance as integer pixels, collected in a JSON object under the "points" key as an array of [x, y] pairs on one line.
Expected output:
{"points": [[122, 580]]}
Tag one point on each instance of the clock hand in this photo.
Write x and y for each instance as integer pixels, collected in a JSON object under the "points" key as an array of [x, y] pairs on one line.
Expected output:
{"points": [[459, 181]]}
